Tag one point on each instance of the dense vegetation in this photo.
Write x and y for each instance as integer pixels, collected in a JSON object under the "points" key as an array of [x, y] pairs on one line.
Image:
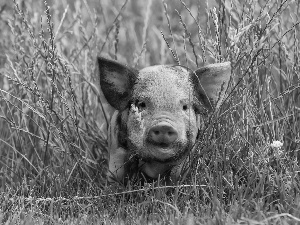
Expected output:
{"points": [[244, 168]]}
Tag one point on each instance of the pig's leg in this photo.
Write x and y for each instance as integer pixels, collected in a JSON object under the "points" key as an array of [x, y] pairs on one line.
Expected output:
{"points": [[117, 154], [178, 172], [116, 164]]}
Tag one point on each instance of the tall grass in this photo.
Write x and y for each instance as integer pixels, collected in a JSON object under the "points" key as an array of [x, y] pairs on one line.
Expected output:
{"points": [[53, 117]]}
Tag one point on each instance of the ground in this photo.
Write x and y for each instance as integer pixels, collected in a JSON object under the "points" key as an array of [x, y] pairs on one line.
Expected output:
{"points": [[244, 168]]}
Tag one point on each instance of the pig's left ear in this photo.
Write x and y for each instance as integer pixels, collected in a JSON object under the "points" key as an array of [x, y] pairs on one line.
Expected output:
{"points": [[211, 83], [116, 82]]}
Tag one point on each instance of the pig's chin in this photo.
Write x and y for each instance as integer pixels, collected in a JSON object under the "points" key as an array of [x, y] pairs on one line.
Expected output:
{"points": [[160, 160]]}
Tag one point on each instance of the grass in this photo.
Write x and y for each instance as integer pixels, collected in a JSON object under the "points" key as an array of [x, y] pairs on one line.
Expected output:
{"points": [[53, 129]]}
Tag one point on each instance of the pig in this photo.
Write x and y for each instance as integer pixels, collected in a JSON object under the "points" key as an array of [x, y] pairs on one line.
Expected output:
{"points": [[155, 126]]}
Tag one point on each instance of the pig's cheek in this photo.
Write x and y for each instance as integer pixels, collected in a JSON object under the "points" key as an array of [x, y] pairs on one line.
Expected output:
{"points": [[136, 130], [191, 126]]}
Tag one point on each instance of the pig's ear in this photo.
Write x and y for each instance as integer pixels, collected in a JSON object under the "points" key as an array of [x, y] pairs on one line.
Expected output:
{"points": [[211, 83], [116, 82]]}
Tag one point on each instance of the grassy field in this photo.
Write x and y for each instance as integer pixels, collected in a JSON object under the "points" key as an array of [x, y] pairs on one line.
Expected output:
{"points": [[244, 168]]}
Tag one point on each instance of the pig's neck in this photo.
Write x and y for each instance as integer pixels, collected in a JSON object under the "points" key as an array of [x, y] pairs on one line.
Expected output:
{"points": [[154, 169]]}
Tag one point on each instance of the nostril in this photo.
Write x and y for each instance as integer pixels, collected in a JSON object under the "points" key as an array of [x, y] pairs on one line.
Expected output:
{"points": [[156, 132], [170, 133]]}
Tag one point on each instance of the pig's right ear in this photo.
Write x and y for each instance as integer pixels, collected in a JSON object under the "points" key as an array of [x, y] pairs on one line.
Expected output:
{"points": [[116, 82], [211, 83]]}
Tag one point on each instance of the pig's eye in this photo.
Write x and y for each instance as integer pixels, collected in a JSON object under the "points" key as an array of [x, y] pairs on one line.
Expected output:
{"points": [[197, 111], [140, 105]]}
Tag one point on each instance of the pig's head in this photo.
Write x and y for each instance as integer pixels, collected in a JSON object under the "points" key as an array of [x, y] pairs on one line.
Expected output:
{"points": [[158, 108]]}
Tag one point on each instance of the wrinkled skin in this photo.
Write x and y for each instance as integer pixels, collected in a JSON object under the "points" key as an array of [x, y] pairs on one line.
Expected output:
{"points": [[156, 121]]}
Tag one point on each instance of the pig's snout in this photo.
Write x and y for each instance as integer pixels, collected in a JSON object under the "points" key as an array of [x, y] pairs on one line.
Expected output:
{"points": [[162, 134]]}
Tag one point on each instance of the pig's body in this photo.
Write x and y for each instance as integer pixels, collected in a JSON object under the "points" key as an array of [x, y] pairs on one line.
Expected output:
{"points": [[156, 118]]}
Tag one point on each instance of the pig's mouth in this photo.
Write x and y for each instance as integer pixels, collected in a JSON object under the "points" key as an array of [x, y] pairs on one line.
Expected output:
{"points": [[163, 145], [164, 152]]}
